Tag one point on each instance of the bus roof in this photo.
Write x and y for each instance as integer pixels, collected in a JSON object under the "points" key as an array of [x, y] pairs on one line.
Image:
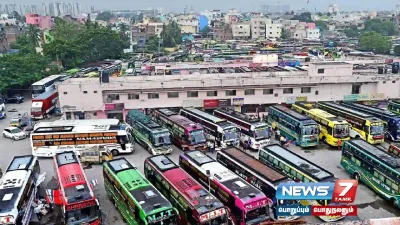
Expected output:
{"points": [[84, 126], [47, 79], [185, 122], [140, 117], [373, 151], [301, 163], [167, 112], [372, 110], [290, 112], [232, 113], [348, 110], [98, 122], [326, 115], [204, 115], [162, 163], [254, 165]]}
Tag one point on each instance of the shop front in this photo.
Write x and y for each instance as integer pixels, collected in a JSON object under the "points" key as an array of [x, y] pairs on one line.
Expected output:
{"points": [[114, 111], [209, 105]]}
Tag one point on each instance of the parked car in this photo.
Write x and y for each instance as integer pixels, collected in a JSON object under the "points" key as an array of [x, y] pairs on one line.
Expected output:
{"points": [[14, 133], [20, 120], [14, 99]]}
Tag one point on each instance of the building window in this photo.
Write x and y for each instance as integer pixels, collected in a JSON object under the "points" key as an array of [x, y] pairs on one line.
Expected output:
{"points": [[95, 92], [306, 90], [393, 81], [153, 95], [321, 70], [249, 92], [173, 94], [230, 92], [288, 91], [268, 91], [68, 115], [355, 89], [212, 93], [113, 97], [84, 92], [133, 96], [95, 114], [65, 93], [192, 94]]}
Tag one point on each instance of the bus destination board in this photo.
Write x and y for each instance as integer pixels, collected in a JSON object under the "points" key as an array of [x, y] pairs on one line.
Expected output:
{"points": [[74, 139]]}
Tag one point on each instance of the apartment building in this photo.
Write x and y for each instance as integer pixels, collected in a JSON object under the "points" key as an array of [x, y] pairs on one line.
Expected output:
{"points": [[241, 30], [258, 25], [273, 30], [248, 92], [189, 24]]}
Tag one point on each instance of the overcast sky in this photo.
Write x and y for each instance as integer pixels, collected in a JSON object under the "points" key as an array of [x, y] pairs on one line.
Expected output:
{"points": [[243, 5]]}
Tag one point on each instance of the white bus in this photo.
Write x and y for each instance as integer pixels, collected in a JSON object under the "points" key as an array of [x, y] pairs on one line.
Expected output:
{"points": [[46, 84], [49, 138], [18, 189], [251, 130]]}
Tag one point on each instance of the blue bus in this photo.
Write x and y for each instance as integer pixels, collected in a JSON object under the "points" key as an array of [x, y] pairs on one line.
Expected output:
{"points": [[392, 132]]}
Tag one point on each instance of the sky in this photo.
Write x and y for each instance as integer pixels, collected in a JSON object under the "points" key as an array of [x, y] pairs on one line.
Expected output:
{"points": [[243, 5]]}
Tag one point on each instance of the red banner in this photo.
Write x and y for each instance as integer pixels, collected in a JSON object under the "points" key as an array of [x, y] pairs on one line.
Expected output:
{"points": [[334, 210], [211, 103]]}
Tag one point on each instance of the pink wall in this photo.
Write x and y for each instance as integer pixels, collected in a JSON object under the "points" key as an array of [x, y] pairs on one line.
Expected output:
{"points": [[101, 114], [43, 22], [311, 26], [33, 19]]}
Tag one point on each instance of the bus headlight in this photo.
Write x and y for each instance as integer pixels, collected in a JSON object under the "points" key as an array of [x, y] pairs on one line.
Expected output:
{"points": [[7, 220]]}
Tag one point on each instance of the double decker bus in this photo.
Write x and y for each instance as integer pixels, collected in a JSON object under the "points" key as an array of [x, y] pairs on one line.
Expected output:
{"points": [[247, 204], [135, 197], [152, 136], [364, 125], [49, 138], [224, 132], [299, 169], [75, 194], [194, 203], [251, 130], [333, 128], [293, 125], [375, 168], [186, 134], [394, 106], [392, 120], [18, 189], [259, 175], [46, 84]]}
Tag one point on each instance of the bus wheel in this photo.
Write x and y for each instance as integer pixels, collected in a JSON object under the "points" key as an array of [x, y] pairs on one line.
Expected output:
{"points": [[395, 203], [357, 176], [115, 152]]}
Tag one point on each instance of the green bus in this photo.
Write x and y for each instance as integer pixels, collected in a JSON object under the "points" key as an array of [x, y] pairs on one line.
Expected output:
{"points": [[375, 168], [394, 106], [152, 136], [134, 197]]}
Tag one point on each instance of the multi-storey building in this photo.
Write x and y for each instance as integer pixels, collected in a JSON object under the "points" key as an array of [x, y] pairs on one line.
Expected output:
{"points": [[273, 30], [247, 90], [258, 25], [241, 30]]}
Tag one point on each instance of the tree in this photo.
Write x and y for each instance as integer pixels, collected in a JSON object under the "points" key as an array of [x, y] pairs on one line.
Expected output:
{"points": [[304, 17], [321, 25], [351, 32], [205, 31], [372, 41], [152, 43], [329, 14], [123, 28], [284, 34], [105, 16], [33, 34], [171, 34], [397, 50], [140, 17], [380, 26], [292, 12]]}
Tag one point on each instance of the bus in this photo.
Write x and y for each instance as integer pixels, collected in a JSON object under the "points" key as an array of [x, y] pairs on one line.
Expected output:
{"points": [[296, 127], [18, 189], [224, 132], [298, 169], [364, 125], [76, 197], [333, 130], [247, 204], [46, 84], [152, 136], [257, 174], [394, 106], [392, 120], [138, 202], [375, 168], [186, 134], [195, 204], [49, 138], [251, 130]]}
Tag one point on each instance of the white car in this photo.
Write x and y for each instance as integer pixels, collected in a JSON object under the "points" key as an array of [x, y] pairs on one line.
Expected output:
{"points": [[14, 133]]}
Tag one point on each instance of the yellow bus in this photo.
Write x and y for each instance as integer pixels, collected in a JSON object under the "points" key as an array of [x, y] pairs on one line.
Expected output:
{"points": [[333, 128], [364, 125]]}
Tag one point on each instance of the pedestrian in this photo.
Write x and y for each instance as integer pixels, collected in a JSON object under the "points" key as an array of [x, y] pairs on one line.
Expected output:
{"points": [[209, 145], [213, 147], [282, 140], [277, 134], [249, 143], [339, 144], [37, 209]]}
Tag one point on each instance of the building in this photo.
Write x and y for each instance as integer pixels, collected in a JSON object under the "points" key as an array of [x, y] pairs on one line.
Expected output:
{"points": [[275, 8], [273, 30], [222, 32], [241, 30], [247, 92], [333, 8], [141, 32], [258, 25], [189, 24], [43, 22]]}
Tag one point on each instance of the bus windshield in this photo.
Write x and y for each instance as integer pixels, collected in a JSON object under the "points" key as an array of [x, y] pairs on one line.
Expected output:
{"points": [[197, 137], [231, 134], [256, 215], [37, 87], [217, 221], [261, 133], [341, 131], [376, 129], [160, 139], [79, 216], [310, 130], [172, 220]]}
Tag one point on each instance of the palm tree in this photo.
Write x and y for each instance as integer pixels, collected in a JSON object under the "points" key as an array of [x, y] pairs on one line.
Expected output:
{"points": [[33, 33], [123, 28]]}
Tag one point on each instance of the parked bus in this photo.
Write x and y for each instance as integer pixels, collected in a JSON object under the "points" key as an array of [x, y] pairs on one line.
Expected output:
{"points": [[364, 125], [375, 168], [294, 126], [247, 204], [134, 197], [394, 106], [334, 130], [152, 136], [46, 84], [224, 132], [299, 169], [259, 175], [186, 134], [18, 189], [392, 120], [251, 130], [394, 149], [195, 204], [49, 138]]}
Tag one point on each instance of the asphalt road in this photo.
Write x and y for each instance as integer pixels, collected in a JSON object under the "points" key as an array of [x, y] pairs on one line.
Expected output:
{"points": [[371, 206]]}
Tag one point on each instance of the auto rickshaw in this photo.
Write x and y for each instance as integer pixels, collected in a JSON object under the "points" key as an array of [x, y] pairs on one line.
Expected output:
{"points": [[95, 155]]}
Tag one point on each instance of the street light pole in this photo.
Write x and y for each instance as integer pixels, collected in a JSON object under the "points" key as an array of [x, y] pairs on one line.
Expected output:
{"points": [[209, 191]]}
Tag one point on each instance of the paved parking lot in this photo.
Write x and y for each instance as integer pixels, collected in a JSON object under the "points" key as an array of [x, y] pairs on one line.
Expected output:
{"points": [[370, 205]]}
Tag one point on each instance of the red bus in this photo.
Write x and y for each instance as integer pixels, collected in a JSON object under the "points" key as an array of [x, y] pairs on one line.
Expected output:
{"points": [[75, 194], [186, 134], [195, 204]]}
